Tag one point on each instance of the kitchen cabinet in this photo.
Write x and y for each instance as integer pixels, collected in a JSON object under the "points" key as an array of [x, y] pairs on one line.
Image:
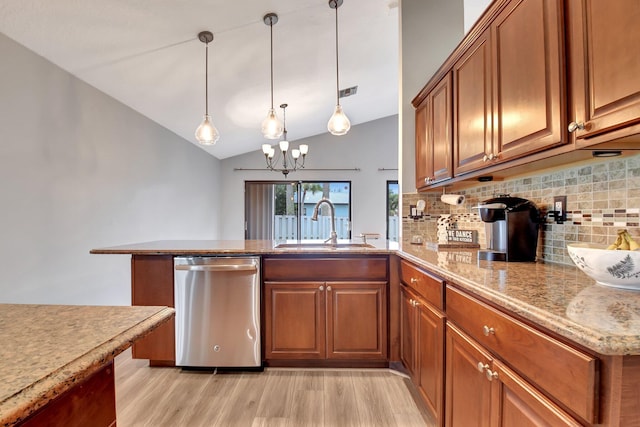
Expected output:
{"points": [[508, 87], [482, 391], [332, 310], [531, 368], [604, 52], [152, 284], [434, 135], [422, 326]]}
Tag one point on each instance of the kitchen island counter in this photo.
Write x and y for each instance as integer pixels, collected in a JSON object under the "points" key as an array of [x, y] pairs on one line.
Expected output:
{"points": [[49, 349], [559, 298]]}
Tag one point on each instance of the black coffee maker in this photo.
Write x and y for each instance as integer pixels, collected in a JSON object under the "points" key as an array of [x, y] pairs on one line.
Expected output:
{"points": [[511, 227]]}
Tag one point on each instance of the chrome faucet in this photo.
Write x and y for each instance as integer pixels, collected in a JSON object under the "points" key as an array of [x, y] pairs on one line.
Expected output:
{"points": [[334, 237]]}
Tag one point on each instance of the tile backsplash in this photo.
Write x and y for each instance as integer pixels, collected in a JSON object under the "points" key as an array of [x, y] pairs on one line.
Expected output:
{"points": [[601, 198]]}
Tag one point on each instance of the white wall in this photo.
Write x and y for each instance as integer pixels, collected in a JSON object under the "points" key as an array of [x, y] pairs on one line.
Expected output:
{"points": [[472, 11], [368, 146], [429, 31], [79, 170]]}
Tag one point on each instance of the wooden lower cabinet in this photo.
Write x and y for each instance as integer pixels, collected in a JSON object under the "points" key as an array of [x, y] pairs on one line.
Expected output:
{"points": [[422, 349], [482, 391], [325, 320], [152, 284], [91, 402]]}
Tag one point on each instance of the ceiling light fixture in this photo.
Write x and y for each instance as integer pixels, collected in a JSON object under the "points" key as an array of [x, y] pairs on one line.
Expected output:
{"points": [[271, 126], [206, 134], [289, 157], [339, 123]]}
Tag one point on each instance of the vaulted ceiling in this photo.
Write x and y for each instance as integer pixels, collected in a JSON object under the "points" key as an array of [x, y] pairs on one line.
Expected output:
{"points": [[146, 54]]}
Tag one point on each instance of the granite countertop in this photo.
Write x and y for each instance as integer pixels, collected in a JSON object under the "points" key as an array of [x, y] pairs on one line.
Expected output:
{"points": [[47, 349], [557, 297]]}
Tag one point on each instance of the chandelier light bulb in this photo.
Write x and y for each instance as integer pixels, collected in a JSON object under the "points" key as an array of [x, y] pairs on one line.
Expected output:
{"points": [[207, 134], [284, 145], [272, 126], [266, 148], [339, 123], [295, 153]]}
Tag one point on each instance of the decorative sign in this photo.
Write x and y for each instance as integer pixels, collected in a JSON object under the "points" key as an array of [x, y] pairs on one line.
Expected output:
{"points": [[462, 236]]}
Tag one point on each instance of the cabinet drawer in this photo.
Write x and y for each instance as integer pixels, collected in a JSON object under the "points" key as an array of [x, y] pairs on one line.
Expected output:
{"points": [[428, 286], [344, 268], [561, 371]]}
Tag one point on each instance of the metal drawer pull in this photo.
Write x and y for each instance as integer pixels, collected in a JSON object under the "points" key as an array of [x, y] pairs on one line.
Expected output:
{"points": [[488, 331], [414, 280], [491, 375], [328, 288], [482, 366], [321, 288], [574, 126]]}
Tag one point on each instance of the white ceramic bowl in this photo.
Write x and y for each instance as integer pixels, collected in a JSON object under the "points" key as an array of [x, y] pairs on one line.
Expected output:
{"points": [[617, 268]]}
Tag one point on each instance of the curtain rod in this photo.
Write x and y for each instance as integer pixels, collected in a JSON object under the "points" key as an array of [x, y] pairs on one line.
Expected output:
{"points": [[305, 169]]}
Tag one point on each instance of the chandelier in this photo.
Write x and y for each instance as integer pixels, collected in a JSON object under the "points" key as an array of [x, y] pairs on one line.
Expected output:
{"points": [[290, 159]]}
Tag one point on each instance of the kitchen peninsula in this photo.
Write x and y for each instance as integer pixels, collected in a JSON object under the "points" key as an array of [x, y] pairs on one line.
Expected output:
{"points": [[573, 344], [57, 360]]}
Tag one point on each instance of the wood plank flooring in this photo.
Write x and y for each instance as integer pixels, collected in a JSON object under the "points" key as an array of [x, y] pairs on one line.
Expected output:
{"points": [[276, 397]]}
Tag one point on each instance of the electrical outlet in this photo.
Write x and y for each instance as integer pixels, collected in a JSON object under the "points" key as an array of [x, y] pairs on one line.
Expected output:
{"points": [[560, 209]]}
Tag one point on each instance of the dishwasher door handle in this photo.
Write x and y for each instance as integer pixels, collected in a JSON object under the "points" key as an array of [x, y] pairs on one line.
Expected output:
{"points": [[217, 267]]}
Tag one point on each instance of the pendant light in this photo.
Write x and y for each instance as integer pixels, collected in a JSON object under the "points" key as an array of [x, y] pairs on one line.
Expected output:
{"points": [[206, 134], [339, 123], [290, 159], [271, 126]]}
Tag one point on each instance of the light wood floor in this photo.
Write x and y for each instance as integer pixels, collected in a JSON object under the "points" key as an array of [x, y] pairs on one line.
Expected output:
{"points": [[276, 397]]}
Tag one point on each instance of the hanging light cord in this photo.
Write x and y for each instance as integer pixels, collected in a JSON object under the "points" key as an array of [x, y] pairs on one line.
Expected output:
{"points": [[337, 67], [271, 32], [206, 78]]}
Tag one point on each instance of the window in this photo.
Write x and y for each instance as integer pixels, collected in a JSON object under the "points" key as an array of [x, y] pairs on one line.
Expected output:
{"points": [[392, 211], [283, 210]]}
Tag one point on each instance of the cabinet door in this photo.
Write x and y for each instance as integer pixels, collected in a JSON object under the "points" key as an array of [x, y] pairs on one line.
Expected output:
{"points": [[152, 284], [528, 78], [439, 130], [468, 392], [516, 403], [430, 358], [408, 331], [472, 117], [356, 320], [424, 167], [604, 43], [294, 316]]}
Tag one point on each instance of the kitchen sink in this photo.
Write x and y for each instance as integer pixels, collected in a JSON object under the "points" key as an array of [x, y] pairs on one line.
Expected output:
{"points": [[322, 245]]}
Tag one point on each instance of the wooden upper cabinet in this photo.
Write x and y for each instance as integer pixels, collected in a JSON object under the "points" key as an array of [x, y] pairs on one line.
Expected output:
{"points": [[473, 130], [434, 135], [440, 127], [509, 91], [604, 49], [423, 170]]}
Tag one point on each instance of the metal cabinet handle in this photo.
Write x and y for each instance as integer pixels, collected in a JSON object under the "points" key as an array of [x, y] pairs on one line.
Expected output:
{"points": [[414, 280], [482, 366], [491, 375], [488, 331], [321, 288], [328, 288], [485, 158], [574, 126]]}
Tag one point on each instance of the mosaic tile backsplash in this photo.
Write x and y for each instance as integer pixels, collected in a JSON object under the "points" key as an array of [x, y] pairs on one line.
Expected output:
{"points": [[602, 198]]}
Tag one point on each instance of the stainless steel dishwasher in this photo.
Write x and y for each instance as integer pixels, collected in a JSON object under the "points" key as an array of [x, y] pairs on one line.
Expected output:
{"points": [[217, 302]]}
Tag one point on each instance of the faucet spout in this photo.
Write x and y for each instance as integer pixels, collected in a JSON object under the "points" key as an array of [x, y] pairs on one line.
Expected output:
{"points": [[334, 237]]}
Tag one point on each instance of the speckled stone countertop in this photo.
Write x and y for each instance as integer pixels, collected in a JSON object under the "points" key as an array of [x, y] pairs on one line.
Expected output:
{"points": [[47, 349], [557, 297]]}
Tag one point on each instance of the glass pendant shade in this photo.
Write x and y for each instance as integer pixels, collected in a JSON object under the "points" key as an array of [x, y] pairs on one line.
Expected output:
{"points": [[272, 126], [339, 123], [207, 134]]}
